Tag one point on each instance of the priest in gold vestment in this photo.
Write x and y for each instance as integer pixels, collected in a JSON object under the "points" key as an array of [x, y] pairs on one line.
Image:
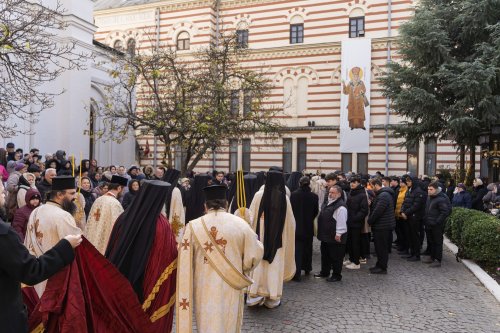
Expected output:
{"points": [[217, 253], [274, 223], [103, 214], [174, 206], [50, 223]]}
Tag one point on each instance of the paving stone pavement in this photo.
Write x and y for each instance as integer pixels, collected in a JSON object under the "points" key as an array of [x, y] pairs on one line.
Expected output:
{"points": [[412, 297]]}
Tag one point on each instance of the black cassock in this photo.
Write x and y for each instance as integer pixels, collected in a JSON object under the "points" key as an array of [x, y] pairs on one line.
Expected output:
{"points": [[18, 265], [305, 209]]}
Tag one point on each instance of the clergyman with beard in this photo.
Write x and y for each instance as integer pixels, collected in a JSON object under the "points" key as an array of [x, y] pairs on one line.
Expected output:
{"points": [[104, 212], [50, 223]]}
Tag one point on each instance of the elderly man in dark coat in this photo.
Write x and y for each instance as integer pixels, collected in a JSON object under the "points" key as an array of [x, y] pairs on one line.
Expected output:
{"points": [[305, 209]]}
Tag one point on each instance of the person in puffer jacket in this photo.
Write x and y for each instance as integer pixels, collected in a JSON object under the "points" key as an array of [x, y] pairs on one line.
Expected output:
{"points": [[437, 210], [412, 212], [33, 200]]}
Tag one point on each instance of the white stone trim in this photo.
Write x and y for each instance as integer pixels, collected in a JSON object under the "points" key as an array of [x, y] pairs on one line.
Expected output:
{"points": [[295, 73]]}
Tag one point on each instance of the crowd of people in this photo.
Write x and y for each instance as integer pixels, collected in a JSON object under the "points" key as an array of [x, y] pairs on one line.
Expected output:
{"points": [[210, 237]]}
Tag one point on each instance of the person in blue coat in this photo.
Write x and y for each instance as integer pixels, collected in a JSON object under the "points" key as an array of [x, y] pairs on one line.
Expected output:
{"points": [[462, 198]]}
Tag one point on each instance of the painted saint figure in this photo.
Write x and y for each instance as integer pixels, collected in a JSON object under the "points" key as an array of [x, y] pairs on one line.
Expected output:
{"points": [[357, 99]]}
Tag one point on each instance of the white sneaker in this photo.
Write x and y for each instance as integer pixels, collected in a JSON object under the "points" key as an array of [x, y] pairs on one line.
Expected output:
{"points": [[253, 301], [353, 266], [271, 304], [346, 262]]}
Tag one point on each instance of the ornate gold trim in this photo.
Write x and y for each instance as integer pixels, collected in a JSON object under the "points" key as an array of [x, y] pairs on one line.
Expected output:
{"points": [[161, 312], [164, 276]]}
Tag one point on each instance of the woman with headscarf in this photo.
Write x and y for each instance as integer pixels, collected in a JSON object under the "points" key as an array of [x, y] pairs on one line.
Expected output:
{"points": [[143, 248], [22, 216], [133, 188], [274, 224], [66, 169], [26, 182]]}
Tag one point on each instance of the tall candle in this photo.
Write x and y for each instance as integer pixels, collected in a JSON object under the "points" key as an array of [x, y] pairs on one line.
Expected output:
{"points": [[73, 165]]}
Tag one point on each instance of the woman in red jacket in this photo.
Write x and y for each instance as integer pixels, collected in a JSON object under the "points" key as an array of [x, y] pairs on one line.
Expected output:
{"points": [[33, 200]]}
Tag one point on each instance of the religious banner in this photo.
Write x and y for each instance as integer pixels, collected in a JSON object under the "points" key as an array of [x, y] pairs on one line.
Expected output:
{"points": [[355, 96]]}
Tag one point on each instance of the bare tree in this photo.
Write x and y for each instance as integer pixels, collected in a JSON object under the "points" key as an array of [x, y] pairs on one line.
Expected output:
{"points": [[31, 54], [190, 102]]}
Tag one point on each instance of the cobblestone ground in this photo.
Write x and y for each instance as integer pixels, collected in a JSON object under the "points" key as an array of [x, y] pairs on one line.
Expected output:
{"points": [[412, 297]]}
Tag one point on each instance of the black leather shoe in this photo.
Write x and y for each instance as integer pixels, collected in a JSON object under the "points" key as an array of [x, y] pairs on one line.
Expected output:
{"points": [[406, 256], [320, 276], [378, 270], [297, 278], [413, 258], [333, 279], [372, 268], [403, 252], [307, 272]]}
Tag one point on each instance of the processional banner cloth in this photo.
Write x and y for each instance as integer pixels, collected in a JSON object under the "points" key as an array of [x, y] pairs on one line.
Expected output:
{"points": [[355, 96]]}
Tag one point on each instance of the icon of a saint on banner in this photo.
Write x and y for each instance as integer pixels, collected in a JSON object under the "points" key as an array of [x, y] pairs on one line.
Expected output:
{"points": [[357, 98]]}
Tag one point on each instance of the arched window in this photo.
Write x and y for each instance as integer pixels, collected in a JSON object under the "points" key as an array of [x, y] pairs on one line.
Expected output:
{"points": [[131, 47], [118, 45], [296, 30], [357, 23], [183, 41]]}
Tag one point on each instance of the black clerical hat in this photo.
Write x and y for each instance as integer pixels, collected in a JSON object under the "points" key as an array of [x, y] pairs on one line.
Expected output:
{"points": [[215, 192], [276, 168], [119, 180], [61, 183]]}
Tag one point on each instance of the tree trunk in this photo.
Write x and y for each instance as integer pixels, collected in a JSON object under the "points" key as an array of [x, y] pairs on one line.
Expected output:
{"points": [[471, 171], [461, 167]]}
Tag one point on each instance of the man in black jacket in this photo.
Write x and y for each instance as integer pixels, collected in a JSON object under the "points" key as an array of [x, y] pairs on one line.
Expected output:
{"points": [[357, 209], [17, 266], [382, 222], [412, 212], [305, 209], [332, 232], [437, 209]]}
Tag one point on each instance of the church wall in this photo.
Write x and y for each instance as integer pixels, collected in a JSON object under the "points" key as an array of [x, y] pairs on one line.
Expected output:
{"points": [[309, 71]]}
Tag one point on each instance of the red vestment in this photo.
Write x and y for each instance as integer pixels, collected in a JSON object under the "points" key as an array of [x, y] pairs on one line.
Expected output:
{"points": [[90, 295], [160, 278]]}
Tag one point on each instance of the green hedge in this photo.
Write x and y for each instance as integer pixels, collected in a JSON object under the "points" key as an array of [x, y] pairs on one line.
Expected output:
{"points": [[476, 234]]}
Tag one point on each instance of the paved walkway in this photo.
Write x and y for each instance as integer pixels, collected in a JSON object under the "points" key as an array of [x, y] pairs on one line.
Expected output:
{"points": [[412, 297]]}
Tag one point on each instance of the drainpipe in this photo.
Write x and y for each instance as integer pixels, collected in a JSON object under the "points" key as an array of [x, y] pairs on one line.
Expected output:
{"points": [[217, 33], [388, 101], [157, 47]]}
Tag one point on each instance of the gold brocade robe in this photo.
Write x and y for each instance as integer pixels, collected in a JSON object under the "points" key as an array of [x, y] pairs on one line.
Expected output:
{"points": [[177, 216], [356, 103], [47, 225], [102, 218], [269, 277], [218, 306]]}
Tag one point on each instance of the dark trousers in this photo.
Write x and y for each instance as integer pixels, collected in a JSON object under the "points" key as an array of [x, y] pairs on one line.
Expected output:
{"points": [[380, 238], [365, 245], [326, 264], [414, 236], [435, 241], [336, 253], [308, 253], [303, 255], [354, 244], [404, 244]]}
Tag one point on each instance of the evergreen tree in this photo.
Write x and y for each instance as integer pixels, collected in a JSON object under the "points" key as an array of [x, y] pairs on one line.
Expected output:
{"points": [[447, 84]]}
